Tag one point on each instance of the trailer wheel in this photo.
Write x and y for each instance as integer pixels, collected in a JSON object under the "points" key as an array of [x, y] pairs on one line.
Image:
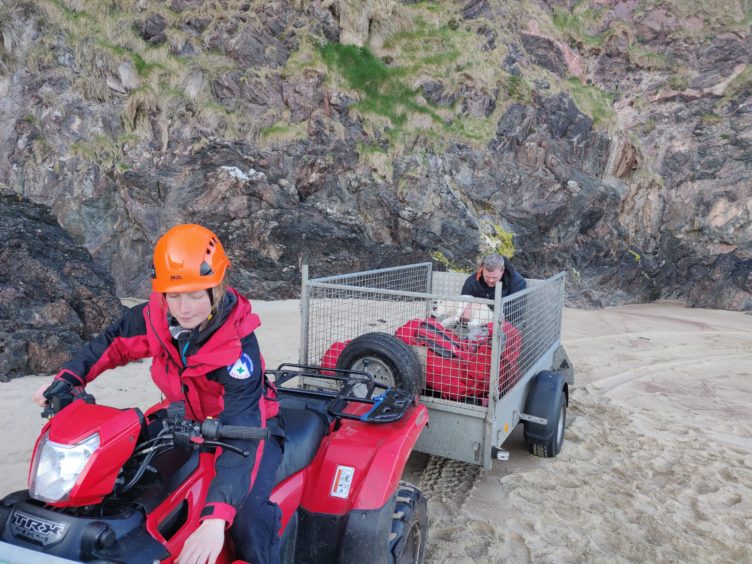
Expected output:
{"points": [[407, 541], [385, 357], [547, 399]]}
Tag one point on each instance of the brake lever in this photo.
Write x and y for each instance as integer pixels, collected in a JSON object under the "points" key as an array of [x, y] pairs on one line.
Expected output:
{"points": [[225, 446]]}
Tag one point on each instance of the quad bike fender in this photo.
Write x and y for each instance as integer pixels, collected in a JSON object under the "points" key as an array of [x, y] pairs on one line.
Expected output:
{"points": [[389, 462], [359, 465]]}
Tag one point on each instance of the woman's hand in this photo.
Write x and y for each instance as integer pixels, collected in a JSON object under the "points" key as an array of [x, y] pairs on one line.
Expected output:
{"points": [[38, 397], [204, 544]]}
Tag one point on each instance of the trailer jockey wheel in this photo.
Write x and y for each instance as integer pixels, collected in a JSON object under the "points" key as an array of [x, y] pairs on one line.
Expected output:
{"points": [[385, 357]]}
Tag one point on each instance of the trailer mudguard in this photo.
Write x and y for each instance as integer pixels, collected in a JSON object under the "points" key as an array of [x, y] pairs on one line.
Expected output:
{"points": [[543, 399]]}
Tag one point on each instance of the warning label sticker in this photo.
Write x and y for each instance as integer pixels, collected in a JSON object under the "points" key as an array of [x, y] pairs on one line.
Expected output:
{"points": [[342, 482]]}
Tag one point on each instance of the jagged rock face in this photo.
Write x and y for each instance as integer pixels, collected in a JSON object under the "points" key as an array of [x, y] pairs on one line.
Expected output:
{"points": [[53, 297], [655, 205]]}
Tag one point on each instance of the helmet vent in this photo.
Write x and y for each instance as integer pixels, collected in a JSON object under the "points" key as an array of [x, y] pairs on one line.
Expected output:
{"points": [[205, 269]]}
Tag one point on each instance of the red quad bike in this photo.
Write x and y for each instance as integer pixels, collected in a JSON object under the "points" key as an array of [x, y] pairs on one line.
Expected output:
{"points": [[119, 485]]}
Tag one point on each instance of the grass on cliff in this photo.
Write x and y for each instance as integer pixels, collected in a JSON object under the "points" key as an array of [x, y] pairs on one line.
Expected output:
{"points": [[382, 89], [597, 103], [579, 23], [160, 90], [741, 85], [386, 79]]}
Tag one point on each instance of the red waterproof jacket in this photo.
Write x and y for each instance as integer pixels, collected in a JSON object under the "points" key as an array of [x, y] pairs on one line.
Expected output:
{"points": [[218, 373]]}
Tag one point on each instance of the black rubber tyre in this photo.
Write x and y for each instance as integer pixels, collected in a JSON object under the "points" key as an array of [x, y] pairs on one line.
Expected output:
{"points": [[385, 357], [552, 446], [407, 542]]}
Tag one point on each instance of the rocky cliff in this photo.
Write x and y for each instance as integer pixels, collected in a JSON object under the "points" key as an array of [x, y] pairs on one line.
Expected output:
{"points": [[607, 138], [52, 295]]}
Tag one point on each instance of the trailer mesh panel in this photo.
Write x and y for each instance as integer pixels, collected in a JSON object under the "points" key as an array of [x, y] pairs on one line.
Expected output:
{"points": [[454, 336]]}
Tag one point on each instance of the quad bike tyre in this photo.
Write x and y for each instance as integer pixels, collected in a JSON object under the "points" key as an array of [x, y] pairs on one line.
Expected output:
{"points": [[547, 399], [407, 541], [385, 357]]}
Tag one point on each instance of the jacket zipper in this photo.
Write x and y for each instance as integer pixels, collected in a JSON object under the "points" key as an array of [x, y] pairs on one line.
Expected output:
{"points": [[181, 367]]}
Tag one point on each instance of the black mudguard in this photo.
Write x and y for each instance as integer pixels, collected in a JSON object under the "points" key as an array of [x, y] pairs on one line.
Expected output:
{"points": [[359, 537], [543, 399]]}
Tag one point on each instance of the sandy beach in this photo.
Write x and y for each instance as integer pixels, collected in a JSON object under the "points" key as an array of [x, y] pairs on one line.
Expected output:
{"points": [[656, 464]]}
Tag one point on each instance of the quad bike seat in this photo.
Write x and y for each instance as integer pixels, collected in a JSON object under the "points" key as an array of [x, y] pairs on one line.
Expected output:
{"points": [[304, 429]]}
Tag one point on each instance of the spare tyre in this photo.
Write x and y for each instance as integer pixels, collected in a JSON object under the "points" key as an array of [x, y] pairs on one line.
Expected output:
{"points": [[385, 357]]}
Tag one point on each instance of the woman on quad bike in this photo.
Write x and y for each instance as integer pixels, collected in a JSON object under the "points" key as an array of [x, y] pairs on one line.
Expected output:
{"points": [[200, 334]]}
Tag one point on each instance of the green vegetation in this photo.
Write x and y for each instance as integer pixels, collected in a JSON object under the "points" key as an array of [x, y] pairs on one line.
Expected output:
{"points": [[678, 82], [498, 240], [428, 45], [646, 126], [646, 58], [103, 151], [741, 84], [282, 132], [425, 43], [711, 119], [71, 14], [518, 89], [596, 103], [440, 258], [383, 92], [159, 89], [576, 276], [577, 22]]}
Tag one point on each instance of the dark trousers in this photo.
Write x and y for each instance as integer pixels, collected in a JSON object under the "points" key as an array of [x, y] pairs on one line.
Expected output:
{"points": [[255, 528]]}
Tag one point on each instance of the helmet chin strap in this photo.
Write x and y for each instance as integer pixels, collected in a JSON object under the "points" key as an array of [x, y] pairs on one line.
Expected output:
{"points": [[210, 291]]}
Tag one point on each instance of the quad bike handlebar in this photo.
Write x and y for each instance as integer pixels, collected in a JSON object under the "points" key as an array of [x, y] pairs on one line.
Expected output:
{"points": [[213, 429], [172, 430], [61, 394]]}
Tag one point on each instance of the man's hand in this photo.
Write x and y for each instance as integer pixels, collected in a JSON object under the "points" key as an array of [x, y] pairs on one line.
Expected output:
{"points": [[204, 544]]}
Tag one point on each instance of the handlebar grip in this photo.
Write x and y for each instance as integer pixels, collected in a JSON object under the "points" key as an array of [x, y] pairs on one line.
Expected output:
{"points": [[247, 433]]}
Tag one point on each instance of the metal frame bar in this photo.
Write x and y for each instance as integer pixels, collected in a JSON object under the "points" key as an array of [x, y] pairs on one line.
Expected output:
{"points": [[304, 316], [325, 279]]}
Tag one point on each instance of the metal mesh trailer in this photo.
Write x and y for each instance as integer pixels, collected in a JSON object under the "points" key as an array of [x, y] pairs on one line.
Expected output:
{"points": [[476, 395]]}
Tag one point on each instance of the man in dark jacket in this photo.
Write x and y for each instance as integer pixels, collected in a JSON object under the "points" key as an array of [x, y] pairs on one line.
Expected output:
{"points": [[493, 269]]}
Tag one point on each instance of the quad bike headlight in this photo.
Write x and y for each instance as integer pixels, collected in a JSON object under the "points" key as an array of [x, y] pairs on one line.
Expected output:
{"points": [[56, 467]]}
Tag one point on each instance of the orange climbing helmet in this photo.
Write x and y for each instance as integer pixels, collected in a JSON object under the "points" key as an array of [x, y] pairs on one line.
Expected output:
{"points": [[187, 258]]}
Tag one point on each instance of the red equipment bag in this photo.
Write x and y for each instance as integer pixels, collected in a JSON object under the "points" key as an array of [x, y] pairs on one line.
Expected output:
{"points": [[459, 369]]}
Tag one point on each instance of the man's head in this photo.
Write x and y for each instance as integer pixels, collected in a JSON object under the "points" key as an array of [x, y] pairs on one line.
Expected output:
{"points": [[491, 269]]}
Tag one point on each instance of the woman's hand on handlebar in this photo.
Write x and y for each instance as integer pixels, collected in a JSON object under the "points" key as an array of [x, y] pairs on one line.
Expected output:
{"points": [[38, 397]]}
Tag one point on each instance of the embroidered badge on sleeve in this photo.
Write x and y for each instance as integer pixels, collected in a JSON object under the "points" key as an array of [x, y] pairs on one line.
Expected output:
{"points": [[242, 369]]}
